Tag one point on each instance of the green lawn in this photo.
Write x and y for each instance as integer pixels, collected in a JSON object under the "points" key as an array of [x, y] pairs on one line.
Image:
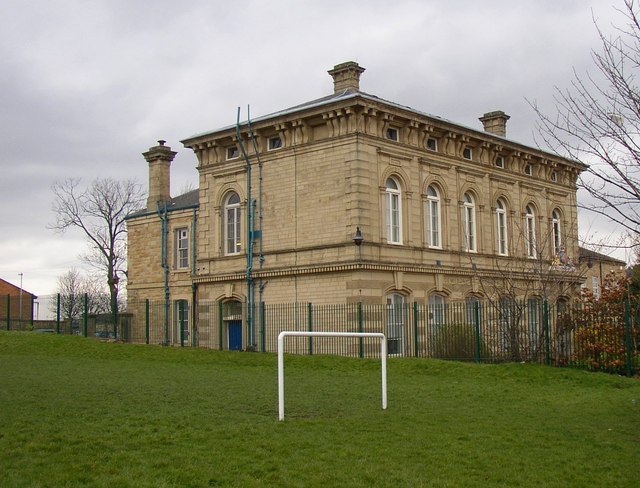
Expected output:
{"points": [[77, 412]]}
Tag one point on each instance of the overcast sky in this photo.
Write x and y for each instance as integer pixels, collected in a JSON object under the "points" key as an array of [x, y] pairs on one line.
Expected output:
{"points": [[87, 86]]}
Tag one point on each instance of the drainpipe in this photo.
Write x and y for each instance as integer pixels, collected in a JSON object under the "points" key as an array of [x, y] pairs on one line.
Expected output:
{"points": [[162, 213]]}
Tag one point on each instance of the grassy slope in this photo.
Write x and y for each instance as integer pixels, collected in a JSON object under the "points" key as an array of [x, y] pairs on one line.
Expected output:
{"points": [[75, 412]]}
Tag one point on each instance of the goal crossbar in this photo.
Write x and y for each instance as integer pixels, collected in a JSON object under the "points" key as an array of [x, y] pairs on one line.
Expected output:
{"points": [[286, 333]]}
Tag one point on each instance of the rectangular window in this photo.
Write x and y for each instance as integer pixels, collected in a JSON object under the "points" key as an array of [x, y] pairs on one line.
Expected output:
{"points": [[395, 324], [499, 162], [433, 223], [467, 153], [528, 170], [232, 152], [432, 144], [595, 287], [392, 134], [274, 143], [502, 233], [393, 218], [181, 255]]}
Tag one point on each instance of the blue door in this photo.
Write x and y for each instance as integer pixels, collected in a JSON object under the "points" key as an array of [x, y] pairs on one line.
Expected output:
{"points": [[235, 335]]}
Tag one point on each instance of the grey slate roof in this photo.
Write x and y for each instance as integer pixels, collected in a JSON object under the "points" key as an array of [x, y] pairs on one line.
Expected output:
{"points": [[191, 199]]}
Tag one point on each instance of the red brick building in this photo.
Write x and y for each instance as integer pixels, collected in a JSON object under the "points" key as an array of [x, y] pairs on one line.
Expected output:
{"points": [[15, 303]]}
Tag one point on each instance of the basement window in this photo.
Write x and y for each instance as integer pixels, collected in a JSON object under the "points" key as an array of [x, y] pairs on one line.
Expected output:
{"points": [[232, 152], [274, 143], [467, 153], [392, 134], [432, 144]]}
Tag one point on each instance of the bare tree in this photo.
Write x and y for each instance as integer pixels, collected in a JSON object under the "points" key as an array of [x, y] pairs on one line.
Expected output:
{"points": [[70, 290], [73, 287], [597, 122], [99, 210]]}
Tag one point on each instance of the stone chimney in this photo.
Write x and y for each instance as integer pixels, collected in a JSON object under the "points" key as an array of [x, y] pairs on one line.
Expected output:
{"points": [[346, 76], [159, 158], [495, 123]]}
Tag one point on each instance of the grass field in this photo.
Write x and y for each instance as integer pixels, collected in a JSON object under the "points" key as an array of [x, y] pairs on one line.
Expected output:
{"points": [[76, 412]]}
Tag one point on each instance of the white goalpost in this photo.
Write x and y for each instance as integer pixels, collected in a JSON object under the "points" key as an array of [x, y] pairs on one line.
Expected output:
{"points": [[281, 337]]}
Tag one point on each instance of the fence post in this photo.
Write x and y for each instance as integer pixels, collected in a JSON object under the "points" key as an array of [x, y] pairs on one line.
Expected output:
{"points": [[360, 329], [476, 323], [263, 339], [220, 325], [146, 321], [8, 312], [545, 324], [85, 314], [58, 314], [310, 326], [627, 336], [416, 348]]}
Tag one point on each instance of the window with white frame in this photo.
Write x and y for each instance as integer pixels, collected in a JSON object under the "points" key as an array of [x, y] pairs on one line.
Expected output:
{"points": [[499, 162], [432, 144], [433, 217], [530, 232], [392, 134], [436, 309], [556, 232], [528, 169], [395, 324], [595, 287], [469, 222], [232, 240], [501, 227], [467, 153], [274, 143], [233, 152], [393, 211], [473, 310], [181, 246]]}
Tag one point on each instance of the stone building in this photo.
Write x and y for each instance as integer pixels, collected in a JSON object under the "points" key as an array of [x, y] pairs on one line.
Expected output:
{"points": [[351, 198]]}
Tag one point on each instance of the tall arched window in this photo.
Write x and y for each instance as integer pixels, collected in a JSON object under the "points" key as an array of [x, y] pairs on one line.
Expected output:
{"points": [[530, 232], [393, 211], [232, 228], [501, 227], [436, 309], [433, 220], [395, 324], [556, 232], [469, 223]]}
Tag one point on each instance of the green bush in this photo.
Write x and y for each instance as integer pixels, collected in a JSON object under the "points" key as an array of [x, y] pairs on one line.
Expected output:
{"points": [[457, 342]]}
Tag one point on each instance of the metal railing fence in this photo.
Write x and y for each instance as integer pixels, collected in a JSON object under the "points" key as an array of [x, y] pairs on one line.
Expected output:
{"points": [[602, 337]]}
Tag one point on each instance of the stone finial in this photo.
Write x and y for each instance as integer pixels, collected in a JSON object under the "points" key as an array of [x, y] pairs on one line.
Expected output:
{"points": [[159, 158], [495, 122], [346, 76]]}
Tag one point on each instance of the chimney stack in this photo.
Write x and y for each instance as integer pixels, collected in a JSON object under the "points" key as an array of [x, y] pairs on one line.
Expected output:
{"points": [[159, 158], [346, 76], [495, 123]]}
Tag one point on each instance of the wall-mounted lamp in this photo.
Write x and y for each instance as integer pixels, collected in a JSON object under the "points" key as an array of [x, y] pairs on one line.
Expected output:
{"points": [[357, 239]]}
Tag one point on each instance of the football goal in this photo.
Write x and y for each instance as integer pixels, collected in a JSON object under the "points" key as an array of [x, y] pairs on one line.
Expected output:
{"points": [[281, 337]]}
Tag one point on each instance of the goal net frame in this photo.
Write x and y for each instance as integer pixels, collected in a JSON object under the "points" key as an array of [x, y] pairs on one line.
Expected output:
{"points": [[288, 333]]}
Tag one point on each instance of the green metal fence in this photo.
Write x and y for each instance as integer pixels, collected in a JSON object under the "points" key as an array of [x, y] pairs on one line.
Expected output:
{"points": [[601, 337], [605, 339]]}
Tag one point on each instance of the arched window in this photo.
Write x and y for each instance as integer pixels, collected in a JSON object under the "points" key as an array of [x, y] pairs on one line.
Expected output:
{"points": [[530, 232], [436, 310], [395, 324], [393, 211], [232, 241], [433, 220], [469, 223], [501, 227], [556, 232]]}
